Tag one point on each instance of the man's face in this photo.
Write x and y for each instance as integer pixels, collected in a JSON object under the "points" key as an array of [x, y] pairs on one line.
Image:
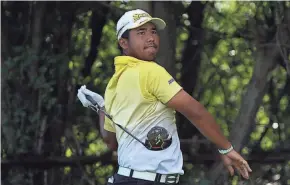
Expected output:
{"points": [[143, 42]]}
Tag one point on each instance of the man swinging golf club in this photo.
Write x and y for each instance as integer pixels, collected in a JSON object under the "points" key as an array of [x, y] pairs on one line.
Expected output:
{"points": [[140, 103]]}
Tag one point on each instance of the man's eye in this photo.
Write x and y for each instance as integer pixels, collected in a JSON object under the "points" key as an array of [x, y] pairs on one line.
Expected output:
{"points": [[141, 33], [154, 32]]}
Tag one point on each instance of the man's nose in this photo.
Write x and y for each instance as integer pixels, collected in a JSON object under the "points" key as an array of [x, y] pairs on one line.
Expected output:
{"points": [[150, 37]]}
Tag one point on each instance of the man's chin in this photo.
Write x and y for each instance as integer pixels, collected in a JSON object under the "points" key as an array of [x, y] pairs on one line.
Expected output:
{"points": [[151, 58]]}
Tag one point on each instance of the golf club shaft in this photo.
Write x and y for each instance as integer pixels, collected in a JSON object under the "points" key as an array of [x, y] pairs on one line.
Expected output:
{"points": [[100, 109]]}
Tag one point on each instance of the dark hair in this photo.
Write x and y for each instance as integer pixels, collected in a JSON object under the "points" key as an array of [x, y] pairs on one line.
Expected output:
{"points": [[125, 35]]}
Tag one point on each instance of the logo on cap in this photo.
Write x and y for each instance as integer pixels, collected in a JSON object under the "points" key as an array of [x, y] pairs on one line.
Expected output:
{"points": [[136, 17]]}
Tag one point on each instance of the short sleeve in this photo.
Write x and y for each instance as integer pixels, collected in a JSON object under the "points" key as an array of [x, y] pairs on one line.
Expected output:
{"points": [[161, 84], [108, 125]]}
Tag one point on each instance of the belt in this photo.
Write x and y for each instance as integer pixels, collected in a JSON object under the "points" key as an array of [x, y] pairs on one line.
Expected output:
{"points": [[149, 176]]}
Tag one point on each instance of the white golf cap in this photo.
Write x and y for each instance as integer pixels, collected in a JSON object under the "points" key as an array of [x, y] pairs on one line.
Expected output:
{"points": [[135, 18]]}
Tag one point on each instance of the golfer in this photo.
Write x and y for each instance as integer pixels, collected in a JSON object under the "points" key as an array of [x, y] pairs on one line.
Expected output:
{"points": [[142, 97]]}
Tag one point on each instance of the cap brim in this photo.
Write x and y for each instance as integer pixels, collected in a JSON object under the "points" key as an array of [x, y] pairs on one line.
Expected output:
{"points": [[159, 23]]}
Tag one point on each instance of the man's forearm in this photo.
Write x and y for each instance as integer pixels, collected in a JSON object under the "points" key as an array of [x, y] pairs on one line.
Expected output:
{"points": [[206, 124], [200, 117]]}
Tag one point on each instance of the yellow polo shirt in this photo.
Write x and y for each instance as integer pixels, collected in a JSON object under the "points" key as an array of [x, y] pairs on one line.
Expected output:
{"points": [[135, 97], [135, 89]]}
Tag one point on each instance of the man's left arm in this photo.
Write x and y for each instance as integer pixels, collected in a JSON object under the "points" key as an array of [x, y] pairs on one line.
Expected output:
{"points": [[163, 86], [199, 117], [169, 92]]}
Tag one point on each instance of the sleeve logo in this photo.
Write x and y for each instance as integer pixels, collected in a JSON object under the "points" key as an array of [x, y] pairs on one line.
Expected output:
{"points": [[171, 80]]}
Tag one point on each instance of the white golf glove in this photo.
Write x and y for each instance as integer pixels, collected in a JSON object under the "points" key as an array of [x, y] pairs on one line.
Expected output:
{"points": [[84, 91]]}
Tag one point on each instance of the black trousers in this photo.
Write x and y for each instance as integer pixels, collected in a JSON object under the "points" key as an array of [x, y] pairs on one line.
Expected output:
{"points": [[123, 180]]}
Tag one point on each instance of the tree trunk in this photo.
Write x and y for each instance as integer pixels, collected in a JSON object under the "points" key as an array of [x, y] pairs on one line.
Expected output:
{"points": [[191, 59], [5, 44], [59, 123], [98, 21], [166, 55], [37, 38], [144, 5]]}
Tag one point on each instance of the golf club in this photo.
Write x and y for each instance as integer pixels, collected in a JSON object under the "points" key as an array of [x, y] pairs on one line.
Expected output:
{"points": [[108, 116]]}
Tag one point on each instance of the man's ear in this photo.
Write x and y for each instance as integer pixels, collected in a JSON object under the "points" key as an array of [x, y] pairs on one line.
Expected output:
{"points": [[123, 43]]}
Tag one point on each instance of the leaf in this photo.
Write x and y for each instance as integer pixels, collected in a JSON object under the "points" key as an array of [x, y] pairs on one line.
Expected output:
{"points": [[68, 152]]}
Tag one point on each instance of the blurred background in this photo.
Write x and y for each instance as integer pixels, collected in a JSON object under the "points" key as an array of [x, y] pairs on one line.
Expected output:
{"points": [[233, 57]]}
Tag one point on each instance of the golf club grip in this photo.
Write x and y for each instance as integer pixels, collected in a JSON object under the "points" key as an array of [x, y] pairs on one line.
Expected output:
{"points": [[91, 100]]}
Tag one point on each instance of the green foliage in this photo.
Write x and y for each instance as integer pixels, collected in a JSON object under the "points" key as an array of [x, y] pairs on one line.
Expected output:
{"points": [[228, 17], [81, 38], [103, 67], [32, 84], [23, 116], [29, 99], [228, 59]]}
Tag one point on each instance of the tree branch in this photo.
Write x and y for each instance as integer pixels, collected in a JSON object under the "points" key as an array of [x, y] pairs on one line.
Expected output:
{"points": [[270, 157], [166, 55], [38, 161], [6, 49], [37, 25], [283, 51]]}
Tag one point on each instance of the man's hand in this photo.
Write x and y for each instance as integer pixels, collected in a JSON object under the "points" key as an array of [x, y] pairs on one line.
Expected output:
{"points": [[234, 159], [84, 91], [108, 137]]}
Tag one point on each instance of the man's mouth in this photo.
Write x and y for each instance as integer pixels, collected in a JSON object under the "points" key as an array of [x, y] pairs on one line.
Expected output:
{"points": [[151, 46]]}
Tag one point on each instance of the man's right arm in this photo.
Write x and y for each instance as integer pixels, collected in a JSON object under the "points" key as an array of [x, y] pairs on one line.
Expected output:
{"points": [[106, 129], [108, 137]]}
